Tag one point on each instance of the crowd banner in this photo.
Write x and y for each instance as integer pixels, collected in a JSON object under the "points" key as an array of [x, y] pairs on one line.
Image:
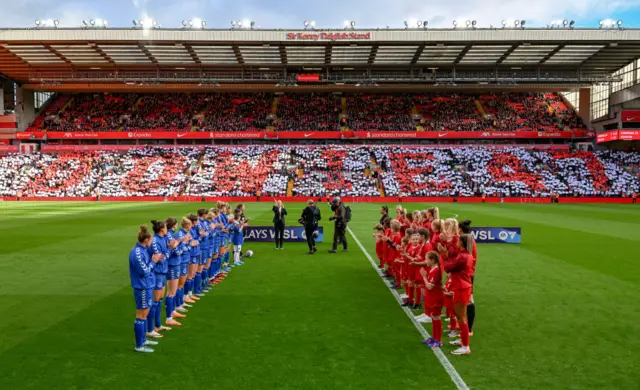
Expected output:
{"points": [[497, 235], [268, 234], [161, 134]]}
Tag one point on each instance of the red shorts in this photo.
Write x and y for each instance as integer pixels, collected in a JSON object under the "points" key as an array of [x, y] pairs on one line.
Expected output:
{"points": [[433, 311], [462, 296]]}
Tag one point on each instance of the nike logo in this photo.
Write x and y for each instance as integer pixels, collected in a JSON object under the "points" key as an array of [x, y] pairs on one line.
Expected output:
{"points": [[631, 118], [180, 135], [308, 135], [442, 134]]}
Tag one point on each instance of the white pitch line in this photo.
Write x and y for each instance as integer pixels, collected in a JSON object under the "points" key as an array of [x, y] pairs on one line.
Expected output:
{"points": [[444, 361]]}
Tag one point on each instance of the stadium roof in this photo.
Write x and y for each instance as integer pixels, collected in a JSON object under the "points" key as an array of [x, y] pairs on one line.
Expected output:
{"points": [[36, 55]]}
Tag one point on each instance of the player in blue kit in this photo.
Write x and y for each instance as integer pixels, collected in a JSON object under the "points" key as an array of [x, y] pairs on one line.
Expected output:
{"points": [[184, 237], [204, 251], [224, 217], [210, 227], [215, 250], [158, 247], [194, 260], [173, 274], [237, 239], [141, 267]]}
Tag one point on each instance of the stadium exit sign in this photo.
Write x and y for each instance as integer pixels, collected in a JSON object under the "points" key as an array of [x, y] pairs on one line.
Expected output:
{"points": [[326, 36]]}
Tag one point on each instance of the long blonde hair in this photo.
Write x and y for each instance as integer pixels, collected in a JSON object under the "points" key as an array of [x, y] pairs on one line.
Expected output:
{"points": [[450, 227]]}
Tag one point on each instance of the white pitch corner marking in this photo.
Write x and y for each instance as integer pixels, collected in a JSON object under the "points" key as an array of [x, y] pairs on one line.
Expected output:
{"points": [[442, 358]]}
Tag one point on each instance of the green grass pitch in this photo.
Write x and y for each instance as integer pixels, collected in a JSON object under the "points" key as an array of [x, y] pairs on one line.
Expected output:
{"points": [[559, 311]]}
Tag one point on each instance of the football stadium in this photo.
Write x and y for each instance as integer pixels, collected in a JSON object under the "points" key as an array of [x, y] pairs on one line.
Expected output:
{"points": [[308, 207]]}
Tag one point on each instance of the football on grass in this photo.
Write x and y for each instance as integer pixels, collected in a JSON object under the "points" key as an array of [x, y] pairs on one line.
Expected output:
{"points": [[248, 253]]}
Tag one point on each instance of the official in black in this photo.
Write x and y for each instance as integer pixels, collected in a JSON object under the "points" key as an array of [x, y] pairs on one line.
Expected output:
{"points": [[340, 225], [310, 217], [384, 210], [279, 213]]}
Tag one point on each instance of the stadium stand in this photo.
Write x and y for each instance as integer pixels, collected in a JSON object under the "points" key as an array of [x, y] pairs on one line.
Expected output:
{"points": [[308, 112], [320, 171]]}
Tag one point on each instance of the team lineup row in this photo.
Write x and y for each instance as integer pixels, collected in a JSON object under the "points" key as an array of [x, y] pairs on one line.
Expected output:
{"points": [[185, 263], [434, 260]]}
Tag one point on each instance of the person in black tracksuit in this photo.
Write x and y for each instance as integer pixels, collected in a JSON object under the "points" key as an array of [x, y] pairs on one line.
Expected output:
{"points": [[310, 217], [340, 225], [279, 212]]}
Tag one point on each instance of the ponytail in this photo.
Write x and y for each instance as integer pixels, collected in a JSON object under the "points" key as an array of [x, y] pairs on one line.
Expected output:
{"points": [[157, 226], [466, 240], [143, 234]]}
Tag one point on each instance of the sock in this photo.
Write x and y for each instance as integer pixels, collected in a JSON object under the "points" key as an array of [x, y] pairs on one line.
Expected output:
{"points": [[471, 315], [436, 329], [168, 306], [409, 289], [453, 323], [464, 334], [158, 313], [150, 317], [180, 297], [187, 286], [138, 331], [197, 283]]}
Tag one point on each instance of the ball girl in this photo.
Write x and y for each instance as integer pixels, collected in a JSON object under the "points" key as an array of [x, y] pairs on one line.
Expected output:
{"points": [[378, 235]]}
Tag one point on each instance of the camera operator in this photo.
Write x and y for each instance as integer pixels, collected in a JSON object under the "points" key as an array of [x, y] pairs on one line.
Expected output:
{"points": [[310, 217], [340, 225]]}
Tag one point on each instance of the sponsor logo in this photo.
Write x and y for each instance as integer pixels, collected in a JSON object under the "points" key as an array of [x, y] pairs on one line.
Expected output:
{"points": [[308, 135], [68, 135], [180, 135], [549, 135], [442, 134]]}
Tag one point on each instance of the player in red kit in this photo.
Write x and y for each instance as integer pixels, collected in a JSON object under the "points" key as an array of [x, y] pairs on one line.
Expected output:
{"points": [[411, 255], [425, 247], [434, 297], [465, 228], [394, 241], [460, 270]]}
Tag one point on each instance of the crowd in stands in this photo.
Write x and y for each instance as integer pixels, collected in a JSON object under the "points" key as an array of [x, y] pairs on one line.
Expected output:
{"points": [[308, 112], [305, 112], [380, 112], [321, 171]]}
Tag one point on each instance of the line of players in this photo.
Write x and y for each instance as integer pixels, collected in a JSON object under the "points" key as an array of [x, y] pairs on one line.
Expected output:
{"points": [[188, 261], [434, 260]]}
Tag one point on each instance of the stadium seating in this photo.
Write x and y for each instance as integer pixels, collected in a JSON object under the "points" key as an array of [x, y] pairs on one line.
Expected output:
{"points": [[307, 112], [321, 170]]}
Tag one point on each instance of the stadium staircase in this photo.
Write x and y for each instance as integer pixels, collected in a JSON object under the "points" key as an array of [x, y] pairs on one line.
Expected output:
{"points": [[481, 108], [274, 105], [343, 104]]}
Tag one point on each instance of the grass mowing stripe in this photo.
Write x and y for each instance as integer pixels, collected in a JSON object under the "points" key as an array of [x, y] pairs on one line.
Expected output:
{"points": [[453, 374]]}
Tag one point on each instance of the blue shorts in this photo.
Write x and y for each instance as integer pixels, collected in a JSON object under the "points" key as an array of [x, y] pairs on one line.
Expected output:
{"points": [[161, 281], [204, 257], [194, 260], [143, 297], [174, 272], [184, 267]]}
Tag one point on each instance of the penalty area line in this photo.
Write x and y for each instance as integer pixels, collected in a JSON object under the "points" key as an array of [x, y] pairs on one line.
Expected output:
{"points": [[442, 358]]}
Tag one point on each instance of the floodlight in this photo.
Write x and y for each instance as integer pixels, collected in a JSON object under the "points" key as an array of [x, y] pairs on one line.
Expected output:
{"points": [[516, 23], [522, 23], [312, 23], [306, 23], [406, 24], [93, 22], [455, 23], [619, 23], [135, 23], [473, 23], [468, 23], [425, 23], [84, 22], [154, 23], [203, 23], [37, 22], [565, 23], [105, 23], [504, 23], [233, 23], [252, 24], [184, 23], [353, 24], [419, 23], [572, 23], [191, 23]]}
